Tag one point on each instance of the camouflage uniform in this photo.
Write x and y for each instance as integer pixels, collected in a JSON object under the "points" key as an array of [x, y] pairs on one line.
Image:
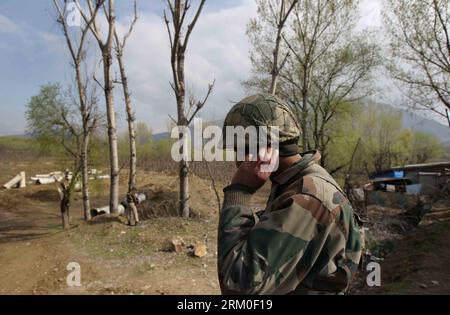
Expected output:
{"points": [[306, 241]]}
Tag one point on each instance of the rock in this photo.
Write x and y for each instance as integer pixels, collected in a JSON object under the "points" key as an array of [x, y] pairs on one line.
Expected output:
{"points": [[435, 283], [423, 286], [200, 249], [174, 245]]}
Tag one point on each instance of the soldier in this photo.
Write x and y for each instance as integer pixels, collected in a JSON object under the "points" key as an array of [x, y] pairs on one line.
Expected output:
{"points": [[307, 240]]}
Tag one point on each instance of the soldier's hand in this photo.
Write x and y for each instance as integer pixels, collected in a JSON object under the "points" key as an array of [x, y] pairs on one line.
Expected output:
{"points": [[253, 174]]}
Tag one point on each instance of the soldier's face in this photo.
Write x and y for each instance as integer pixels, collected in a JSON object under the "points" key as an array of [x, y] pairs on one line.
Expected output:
{"points": [[265, 156]]}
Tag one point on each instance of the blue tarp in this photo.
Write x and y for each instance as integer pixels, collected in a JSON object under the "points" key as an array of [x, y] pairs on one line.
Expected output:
{"points": [[390, 174]]}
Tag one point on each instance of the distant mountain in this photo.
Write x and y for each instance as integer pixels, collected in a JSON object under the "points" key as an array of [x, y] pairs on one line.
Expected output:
{"points": [[415, 122], [161, 136]]}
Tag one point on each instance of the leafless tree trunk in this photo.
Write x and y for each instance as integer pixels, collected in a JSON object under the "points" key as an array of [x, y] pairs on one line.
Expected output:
{"points": [[65, 207], [65, 192], [107, 59], [178, 45], [132, 189], [85, 179], [87, 106]]}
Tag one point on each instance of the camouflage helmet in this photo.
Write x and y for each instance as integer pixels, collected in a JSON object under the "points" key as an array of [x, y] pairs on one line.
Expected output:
{"points": [[263, 110]]}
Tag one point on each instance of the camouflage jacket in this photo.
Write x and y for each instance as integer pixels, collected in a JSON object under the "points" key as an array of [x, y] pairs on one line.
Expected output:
{"points": [[305, 241]]}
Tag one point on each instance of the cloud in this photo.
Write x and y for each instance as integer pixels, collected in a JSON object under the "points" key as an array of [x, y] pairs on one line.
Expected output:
{"points": [[7, 26], [52, 43], [218, 50]]}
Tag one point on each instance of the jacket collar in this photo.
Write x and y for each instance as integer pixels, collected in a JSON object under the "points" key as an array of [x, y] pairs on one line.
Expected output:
{"points": [[308, 158]]}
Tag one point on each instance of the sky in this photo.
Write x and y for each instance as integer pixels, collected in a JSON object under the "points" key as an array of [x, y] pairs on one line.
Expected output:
{"points": [[33, 53]]}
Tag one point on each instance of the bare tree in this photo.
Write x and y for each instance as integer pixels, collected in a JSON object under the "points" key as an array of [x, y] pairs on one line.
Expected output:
{"points": [[106, 46], [132, 189], [420, 51], [87, 109], [178, 43]]}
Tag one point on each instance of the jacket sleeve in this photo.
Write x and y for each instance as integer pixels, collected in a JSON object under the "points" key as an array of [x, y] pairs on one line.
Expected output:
{"points": [[272, 255]]}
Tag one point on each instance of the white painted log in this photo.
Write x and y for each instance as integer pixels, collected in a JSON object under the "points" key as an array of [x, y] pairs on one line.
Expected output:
{"points": [[46, 181], [78, 187], [41, 175], [141, 198], [23, 180], [13, 182], [105, 210], [58, 178], [99, 211], [102, 177]]}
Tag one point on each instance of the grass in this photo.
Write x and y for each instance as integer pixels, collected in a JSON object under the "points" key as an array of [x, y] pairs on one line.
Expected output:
{"points": [[15, 143], [430, 241]]}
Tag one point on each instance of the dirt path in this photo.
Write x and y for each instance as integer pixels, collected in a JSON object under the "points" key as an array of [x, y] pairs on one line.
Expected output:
{"points": [[29, 228]]}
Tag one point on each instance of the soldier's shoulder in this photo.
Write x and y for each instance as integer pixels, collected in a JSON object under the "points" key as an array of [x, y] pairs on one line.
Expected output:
{"points": [[324, 189]]}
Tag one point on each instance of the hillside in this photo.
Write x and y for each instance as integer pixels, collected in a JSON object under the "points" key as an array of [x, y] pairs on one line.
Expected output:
{"points": [[418, 123]]}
